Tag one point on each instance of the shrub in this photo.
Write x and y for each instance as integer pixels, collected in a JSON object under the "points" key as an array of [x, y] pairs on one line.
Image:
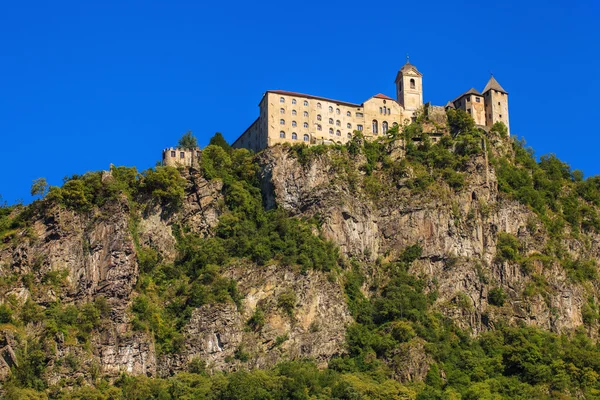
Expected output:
{"points": [[287, 302], [496, 297], [507, 248]]}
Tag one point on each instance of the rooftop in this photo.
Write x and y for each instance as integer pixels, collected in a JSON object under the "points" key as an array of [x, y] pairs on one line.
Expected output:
{"points": [[493, 84], [308, 96]]}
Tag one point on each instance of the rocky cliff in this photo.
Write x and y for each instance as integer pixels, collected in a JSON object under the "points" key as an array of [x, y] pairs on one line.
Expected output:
{"points": [[71, 258]]}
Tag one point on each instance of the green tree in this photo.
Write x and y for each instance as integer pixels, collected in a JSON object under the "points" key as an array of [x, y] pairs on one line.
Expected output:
{"points": [[188, 141], [40, 187], [219, 140]]}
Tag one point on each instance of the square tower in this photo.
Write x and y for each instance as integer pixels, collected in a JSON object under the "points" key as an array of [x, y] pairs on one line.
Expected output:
{"points": [[409, 87], [496, 103]]}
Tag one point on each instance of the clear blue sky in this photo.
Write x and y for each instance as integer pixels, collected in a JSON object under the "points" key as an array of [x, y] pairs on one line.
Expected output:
{"points": [[87, 83]]}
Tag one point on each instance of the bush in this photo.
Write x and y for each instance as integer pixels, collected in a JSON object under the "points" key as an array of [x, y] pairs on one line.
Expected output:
{"points": [[287, 302], [496, 297], [507, 248]]}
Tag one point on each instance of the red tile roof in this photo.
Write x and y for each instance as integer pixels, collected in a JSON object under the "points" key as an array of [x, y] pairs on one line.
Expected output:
{"points": [[382, 96]]}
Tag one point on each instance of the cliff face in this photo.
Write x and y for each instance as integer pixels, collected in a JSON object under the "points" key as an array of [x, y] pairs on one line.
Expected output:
{"points": [[457, 230]]}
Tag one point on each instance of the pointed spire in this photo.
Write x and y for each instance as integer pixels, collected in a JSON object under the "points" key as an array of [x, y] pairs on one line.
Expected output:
{"points": [[493, 85]]}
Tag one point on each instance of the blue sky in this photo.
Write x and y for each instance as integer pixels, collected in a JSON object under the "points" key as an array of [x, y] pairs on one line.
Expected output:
{"points": [[86, 83]]}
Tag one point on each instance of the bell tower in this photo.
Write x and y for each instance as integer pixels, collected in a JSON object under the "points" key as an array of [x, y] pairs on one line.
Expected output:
{"points": [[409, 87]]}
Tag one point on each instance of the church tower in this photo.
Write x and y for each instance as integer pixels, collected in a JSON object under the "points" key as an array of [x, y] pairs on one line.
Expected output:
{"points": [[496, 103], [409, 87]]}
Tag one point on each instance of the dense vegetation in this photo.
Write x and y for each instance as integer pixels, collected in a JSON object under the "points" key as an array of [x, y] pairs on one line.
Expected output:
{"points": [[398, 317]]}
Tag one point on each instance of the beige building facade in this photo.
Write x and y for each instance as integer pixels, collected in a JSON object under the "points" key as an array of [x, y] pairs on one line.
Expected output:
{"points": [[180, 157], [291, 117]]}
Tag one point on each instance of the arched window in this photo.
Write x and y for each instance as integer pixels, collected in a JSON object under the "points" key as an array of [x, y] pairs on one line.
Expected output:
{"points": [[384, 109], [349, 135], [395, 124], [318, 105], [319, 128], [306, 138], [338, 123], [281, 111], [331, 131], [294, 123], [293, 101], [282, 122], [294, 136], [348, 114], [282, 134], [305, 103], [337, 111], [384, 127], [306, 113], [349, 125], [412, 84], [293, 112], [380, 110], [331, 121], [375, 127], [338, 133], [282, 99], [318, 117], [306, 124], [330, 109]]}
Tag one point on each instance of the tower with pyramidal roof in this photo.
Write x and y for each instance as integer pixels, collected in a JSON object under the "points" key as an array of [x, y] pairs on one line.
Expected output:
{"points": [[496, 103]]}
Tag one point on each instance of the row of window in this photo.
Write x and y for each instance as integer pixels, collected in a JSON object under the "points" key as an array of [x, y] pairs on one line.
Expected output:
{"points": [[385, 110], [282, 100], [337, 123], [306, 138], [305, 113], [337, 110], [182, 154]]}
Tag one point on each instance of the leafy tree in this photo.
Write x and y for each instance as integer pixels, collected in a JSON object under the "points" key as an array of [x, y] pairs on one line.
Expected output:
{"points": [[188, 141], [219, 140], [40, 187]]}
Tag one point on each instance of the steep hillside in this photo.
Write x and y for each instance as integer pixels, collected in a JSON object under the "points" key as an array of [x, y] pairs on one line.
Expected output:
{"points": [[400, 268]]}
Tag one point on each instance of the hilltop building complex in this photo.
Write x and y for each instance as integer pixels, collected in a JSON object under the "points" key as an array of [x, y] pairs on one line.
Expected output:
{"points": [[301, 118]]}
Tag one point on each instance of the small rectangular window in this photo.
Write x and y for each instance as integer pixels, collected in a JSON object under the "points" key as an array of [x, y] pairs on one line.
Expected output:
{"points": [[477, 99], [182, 155], [500, 115], [172, 154], [468, 99], [498, 103], [359, 127]]}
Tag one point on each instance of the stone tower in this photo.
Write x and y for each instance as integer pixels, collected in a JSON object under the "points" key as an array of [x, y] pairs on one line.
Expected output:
{"points": [[409, 87], [496, 103]]}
